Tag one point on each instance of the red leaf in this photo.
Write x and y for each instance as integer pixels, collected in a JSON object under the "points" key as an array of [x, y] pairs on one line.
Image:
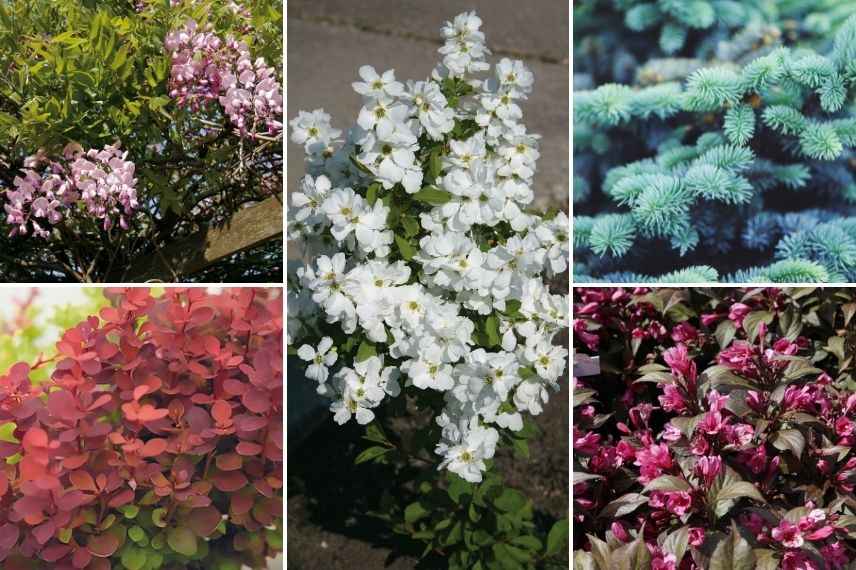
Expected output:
{"points": [[241, 504], [229, 481], [81, 558], [212, 345], [121, 498], [9, 534], [100, 401], [34, 438], [153, 447], [83, 481], [204, 521], [44, 532], [54, 552], [148, 413], [4, 483], [247, 422], [103, 545], [73, 499], [248, 448], [256, 400], [201, 316], [221, 411], [229, 462], [75, 461]]}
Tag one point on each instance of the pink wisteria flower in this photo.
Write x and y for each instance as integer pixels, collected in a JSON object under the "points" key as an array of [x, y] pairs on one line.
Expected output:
{"points": [[100, 181], [208, 69]]}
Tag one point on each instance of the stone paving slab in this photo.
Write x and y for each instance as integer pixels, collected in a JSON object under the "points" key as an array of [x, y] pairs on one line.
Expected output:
{"points": [[323, 59], [534, 27]]}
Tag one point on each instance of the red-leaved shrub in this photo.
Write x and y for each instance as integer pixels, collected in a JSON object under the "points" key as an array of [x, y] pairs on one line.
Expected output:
{"points": [[719, 431], [156, 442]]}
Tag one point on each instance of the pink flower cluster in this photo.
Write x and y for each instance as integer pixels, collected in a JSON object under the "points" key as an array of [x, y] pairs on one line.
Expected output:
{"points": [[96, 183], [207, 69], [727, 415]]}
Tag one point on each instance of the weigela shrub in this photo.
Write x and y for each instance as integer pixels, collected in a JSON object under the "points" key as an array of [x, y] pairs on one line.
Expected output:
{"points": [[719, 430], [428, 273], [156, 442]]}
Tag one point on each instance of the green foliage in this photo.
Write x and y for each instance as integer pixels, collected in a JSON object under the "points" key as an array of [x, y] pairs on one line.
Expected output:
{"points": [[97, 73]]}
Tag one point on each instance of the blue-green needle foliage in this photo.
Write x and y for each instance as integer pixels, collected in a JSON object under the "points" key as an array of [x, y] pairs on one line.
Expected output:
{"points": [[737, 166]]}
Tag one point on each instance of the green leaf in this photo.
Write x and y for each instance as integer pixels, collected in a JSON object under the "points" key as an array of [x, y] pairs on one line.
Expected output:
{"points": [[491, 329], [136, 533], [371, 193], [406, 250], [737, 489], [133, 558], [510, 501], [725, 332], [366, 350], [623, 505], [527, 541], [158, 517], [677, 542], [752, 323], [733, 553], [432, 195], [414, 512], [667, 483], [789, 440], [182, 540], [371, 453], [557, 538], [411, 226], [130, 511], [458, 488]]}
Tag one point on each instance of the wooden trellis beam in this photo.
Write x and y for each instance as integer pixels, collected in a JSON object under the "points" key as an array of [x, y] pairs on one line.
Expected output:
{"points": [[246, 229]]}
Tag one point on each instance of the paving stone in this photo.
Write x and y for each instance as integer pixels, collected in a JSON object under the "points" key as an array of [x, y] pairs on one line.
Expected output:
{"points": [[323, 60], [535, 27]]}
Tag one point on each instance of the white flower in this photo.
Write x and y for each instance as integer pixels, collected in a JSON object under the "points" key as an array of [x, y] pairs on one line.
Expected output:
{"points": [[549, 360], [431, 107], [376, 86], [320, 360], [466, 459], [512, 77], [393, 160], [313, 130], [309, 200]]}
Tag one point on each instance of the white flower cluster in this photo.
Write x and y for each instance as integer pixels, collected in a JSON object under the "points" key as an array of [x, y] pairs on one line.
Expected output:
{"points": [[424, 251]]}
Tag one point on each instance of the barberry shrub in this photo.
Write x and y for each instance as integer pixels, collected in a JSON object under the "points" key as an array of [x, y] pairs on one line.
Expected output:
{"points": [[127, 126], [157, 441], [430, 284], [719, 430], [737, 169]]}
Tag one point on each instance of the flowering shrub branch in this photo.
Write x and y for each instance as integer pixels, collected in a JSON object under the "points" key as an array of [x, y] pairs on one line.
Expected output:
{"points": [[719, 430], [126, 127], [429, 277], [156, 442]]}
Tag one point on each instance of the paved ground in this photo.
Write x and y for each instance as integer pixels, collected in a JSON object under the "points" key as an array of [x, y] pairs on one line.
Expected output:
{"points": [[328, 40]]}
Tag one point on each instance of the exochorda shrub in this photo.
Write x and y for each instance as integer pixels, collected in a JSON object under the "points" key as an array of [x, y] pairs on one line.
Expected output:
{"points": [[155, 443], [427, 288], [751, 179], [719, 430]]}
